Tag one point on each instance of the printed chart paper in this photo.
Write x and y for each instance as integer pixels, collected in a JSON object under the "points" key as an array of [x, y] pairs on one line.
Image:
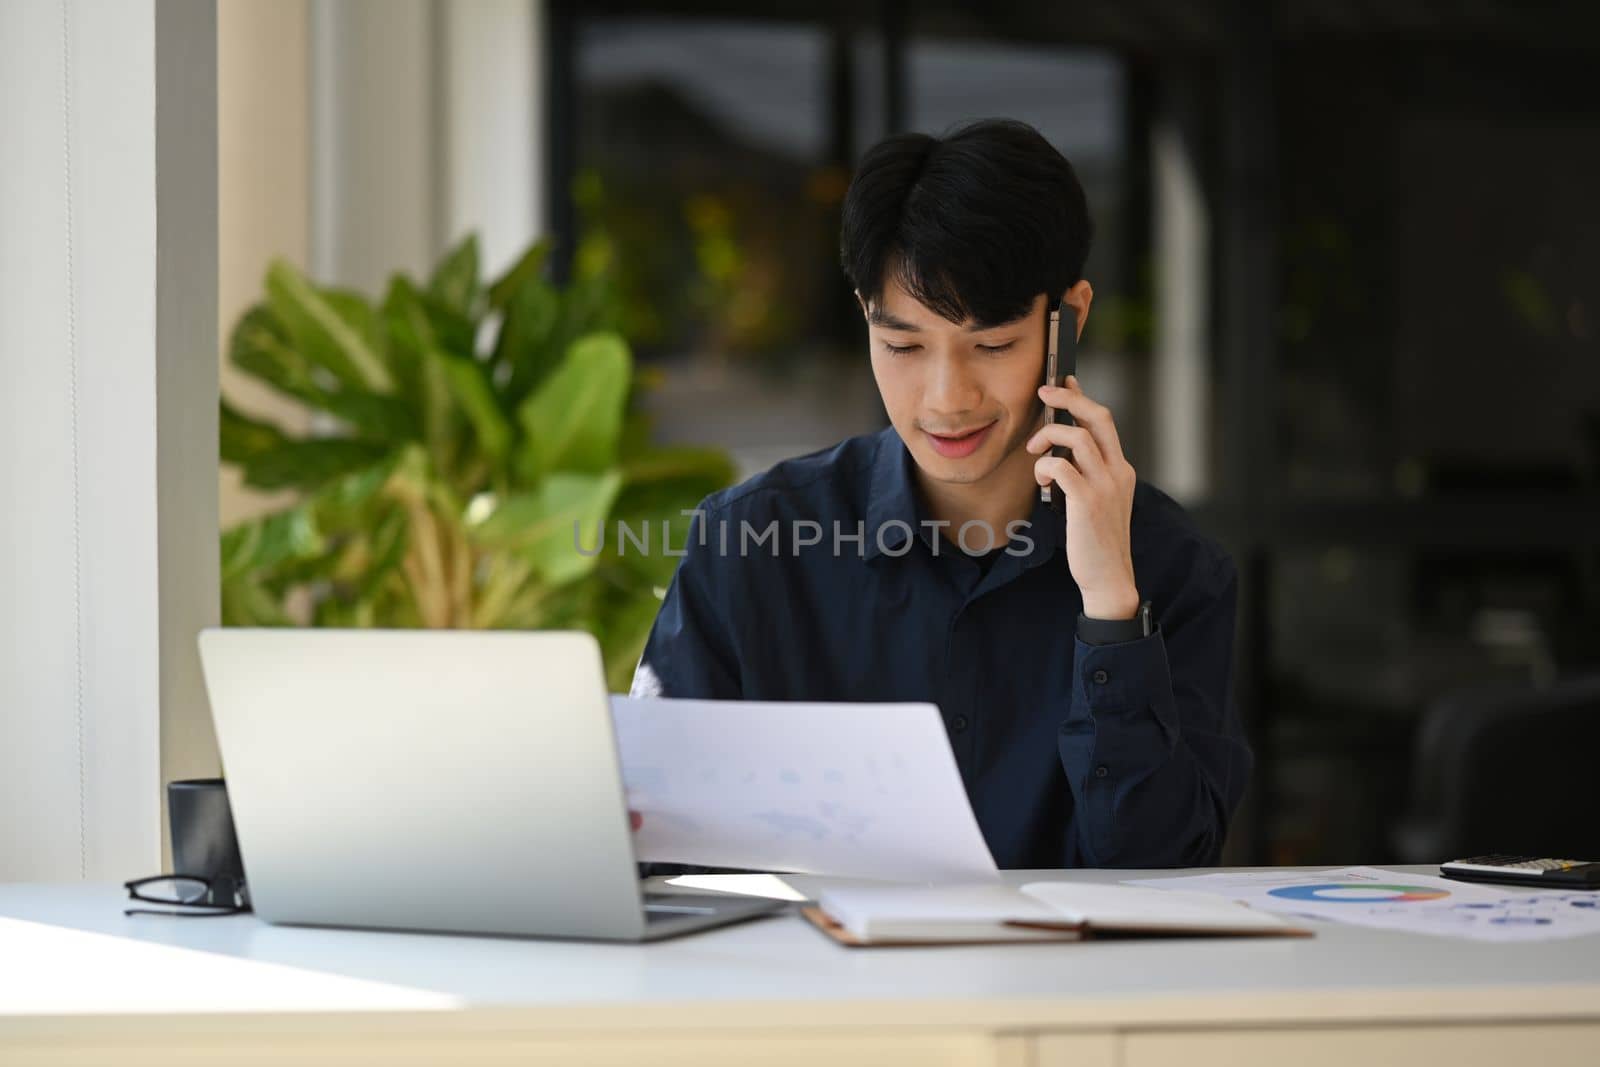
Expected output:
{"points": [[1416, 903], [851, 790]]}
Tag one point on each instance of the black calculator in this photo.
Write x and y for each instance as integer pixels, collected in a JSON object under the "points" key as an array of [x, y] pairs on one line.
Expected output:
{"points": [[1525, 870]]}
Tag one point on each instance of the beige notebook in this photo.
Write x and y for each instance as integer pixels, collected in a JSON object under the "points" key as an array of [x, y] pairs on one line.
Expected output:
{"points": [[1038, 911]]}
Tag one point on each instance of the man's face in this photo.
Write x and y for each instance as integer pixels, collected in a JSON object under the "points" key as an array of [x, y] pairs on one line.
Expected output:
{"points": [[962, 399]]}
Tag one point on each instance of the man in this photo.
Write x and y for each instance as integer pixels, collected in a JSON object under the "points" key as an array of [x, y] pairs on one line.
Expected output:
{"points": [[918, 563]]}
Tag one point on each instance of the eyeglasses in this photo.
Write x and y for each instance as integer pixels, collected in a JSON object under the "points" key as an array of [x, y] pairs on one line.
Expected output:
{"points": [[188, 895]]}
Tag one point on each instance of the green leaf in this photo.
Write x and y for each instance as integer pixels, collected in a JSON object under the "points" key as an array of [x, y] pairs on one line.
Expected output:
{"points": [[452, 331], [321, 330], [652, 565], [415, 483], [464, 379], [356, 311], [388, 548], [455, 282], [665, 483], [242, 438], [529, 268], [413, 335], [427, 415], [261, 544], [548, 525], [679, 463], [405, 362], [337, 612], [660, 486], [638, 427], [246, 603], [622, 638], [348, 500], [375, 416], [318, 568], [591, 304], [310, 464], [574, 421], [528, 343], [469, 384], [262, 349]]}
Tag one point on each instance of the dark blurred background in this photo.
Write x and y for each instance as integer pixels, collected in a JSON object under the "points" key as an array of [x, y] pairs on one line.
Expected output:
{"points": [[1347, 310]]}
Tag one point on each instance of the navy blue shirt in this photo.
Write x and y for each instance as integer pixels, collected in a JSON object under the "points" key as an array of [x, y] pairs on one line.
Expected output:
{"points": [[820, 580]]}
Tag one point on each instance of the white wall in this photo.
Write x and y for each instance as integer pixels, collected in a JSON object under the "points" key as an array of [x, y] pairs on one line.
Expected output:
{"points": [[362, 136], [493, 131], [263, 193], [425, 122], [108, 540], [374, 175]]}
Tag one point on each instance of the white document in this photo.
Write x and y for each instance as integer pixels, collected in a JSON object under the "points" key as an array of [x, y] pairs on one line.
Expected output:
{"points": [[852, 790], [1416, 903]]}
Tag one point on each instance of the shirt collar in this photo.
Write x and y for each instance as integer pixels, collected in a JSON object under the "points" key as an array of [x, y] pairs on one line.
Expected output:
{"points": [[893, 499], [1048, 532]]}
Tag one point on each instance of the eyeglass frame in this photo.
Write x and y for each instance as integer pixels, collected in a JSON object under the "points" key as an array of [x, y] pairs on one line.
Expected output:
{"points": [[205, 909]]}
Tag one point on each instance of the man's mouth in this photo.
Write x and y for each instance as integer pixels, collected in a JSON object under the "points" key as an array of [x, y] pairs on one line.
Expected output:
{"points": [[961, 442]]}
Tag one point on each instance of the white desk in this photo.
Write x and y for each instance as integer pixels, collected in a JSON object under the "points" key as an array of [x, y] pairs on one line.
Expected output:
{"points": [[81, 983]]}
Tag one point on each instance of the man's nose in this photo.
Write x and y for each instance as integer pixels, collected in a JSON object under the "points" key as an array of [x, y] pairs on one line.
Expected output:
{"points": [[951, 388]]}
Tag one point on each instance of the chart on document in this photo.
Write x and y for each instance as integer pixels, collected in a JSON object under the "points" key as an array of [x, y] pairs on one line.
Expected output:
{"points": [[1371, 896], [857, 790]]}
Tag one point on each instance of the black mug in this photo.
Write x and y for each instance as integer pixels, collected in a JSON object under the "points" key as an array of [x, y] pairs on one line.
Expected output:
{"points": [[203, 841]]}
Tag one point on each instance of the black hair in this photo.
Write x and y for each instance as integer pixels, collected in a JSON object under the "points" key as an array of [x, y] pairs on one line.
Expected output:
{"points": [[974, 224]]}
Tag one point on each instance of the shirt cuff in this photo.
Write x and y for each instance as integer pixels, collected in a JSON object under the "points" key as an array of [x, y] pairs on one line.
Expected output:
{"points": [[1109, 631], [1126, 684]]}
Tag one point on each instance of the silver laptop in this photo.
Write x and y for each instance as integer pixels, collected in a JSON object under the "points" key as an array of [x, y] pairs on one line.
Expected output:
{"points": [[434, 780]]}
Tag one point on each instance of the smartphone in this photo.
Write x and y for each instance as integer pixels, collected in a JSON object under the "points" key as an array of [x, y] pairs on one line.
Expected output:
{"points": [[1060, 360]]}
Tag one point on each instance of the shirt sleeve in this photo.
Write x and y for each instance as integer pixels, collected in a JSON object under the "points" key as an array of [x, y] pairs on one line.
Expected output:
{"points": [[688, 652], [1152, 747]]}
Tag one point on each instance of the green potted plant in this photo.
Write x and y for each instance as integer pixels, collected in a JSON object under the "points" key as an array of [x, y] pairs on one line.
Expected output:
{"points": [[467, 440]]}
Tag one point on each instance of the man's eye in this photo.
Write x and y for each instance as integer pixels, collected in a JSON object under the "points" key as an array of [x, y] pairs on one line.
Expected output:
{"points": [[899, 350], [996, 349]]}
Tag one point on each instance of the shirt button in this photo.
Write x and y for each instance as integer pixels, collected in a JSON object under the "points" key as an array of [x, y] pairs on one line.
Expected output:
{"points": [[1101, 771], [1101, 677], [960, 722]]}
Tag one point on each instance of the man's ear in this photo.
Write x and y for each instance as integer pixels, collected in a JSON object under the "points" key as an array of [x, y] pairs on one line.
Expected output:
{"points": [[1079, 297], [862, 302]]}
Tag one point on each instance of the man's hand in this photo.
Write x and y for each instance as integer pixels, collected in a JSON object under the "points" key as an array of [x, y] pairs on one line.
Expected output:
{"points": [[1098, 484]]}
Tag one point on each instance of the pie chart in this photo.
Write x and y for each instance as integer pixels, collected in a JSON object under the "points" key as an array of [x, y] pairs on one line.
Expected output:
{"points": [[1348, 893]]}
